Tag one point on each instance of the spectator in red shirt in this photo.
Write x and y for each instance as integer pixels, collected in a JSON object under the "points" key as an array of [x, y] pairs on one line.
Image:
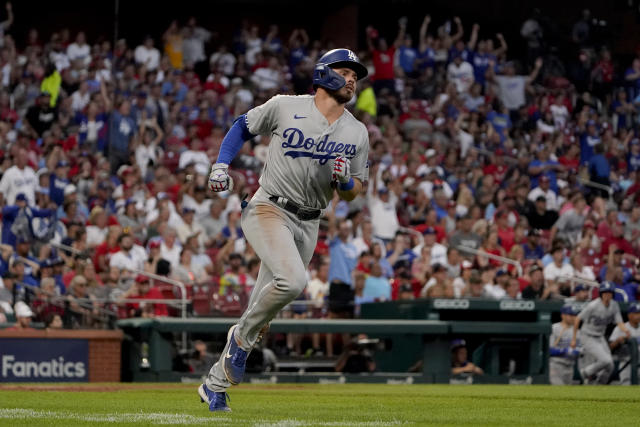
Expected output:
{"points": [[617, 238], [505, 232], [497, 167], [605, 228], [106, 249], [571, 159], [383, 56], [602, 76], [491, 246], [142, 290]]}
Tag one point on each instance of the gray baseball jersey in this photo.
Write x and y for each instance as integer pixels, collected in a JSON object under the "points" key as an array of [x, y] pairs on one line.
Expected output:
{"points": [[623, 352], [302, 148], [595, 317], [564, 341]]}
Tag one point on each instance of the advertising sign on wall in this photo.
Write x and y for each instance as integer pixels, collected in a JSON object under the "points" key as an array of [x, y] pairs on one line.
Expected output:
{"points": [[44, 360]]}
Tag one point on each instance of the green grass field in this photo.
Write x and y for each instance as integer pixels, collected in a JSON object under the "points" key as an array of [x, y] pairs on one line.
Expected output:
{"points": [[320, 405]]}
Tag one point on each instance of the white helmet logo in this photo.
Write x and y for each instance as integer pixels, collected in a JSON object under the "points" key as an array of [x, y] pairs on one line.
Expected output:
{"points": [[352, 56]]}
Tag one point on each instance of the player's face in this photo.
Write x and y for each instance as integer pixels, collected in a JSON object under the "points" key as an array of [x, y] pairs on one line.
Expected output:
{"points": [[568, 319], [345, 94], [606, 297]]}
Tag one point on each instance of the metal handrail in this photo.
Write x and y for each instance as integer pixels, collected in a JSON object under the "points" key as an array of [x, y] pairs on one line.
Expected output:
{"points": [[594, 284], [414, 232], [183, 296], [477, 252], [597, 185], [85, 303]]}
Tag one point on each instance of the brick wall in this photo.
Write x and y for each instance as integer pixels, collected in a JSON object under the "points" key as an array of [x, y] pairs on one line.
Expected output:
{"points": [[104, 360]]}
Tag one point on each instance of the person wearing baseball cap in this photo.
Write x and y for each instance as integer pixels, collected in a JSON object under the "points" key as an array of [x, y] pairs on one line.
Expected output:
{"points": [[23, 315], [595, 318], [580, 293], [58, 181], [460, 365], [619, 342], [562, 357], [544, 190]]}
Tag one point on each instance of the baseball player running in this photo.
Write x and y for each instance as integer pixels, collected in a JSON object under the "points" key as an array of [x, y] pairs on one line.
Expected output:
{"points": [[562, 357], [316, 146], [618, 339], [596, 316]]}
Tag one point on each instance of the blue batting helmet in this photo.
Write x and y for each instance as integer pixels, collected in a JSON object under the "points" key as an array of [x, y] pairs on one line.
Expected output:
{"points": [[325, 77], [607, 287]]}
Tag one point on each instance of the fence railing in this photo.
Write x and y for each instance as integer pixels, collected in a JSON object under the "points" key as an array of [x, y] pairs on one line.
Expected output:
{"points": [[502, 259], [594, 284]]}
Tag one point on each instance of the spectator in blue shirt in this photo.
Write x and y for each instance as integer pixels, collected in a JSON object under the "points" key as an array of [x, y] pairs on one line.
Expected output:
{"points": [[123, 128], [10, 213], [343, 258], [426, 55], [407, 56], [633, 160], [58, 181], [500, 121], [599, 169], [632, 76], [376, 286], [544, 166], [588, 139]]}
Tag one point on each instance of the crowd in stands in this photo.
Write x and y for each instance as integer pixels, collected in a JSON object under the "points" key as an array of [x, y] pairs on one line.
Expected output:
{"points": [[489, 177]]}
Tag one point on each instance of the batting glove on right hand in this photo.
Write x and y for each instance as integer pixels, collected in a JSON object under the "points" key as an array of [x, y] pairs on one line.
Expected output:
{"points": [[219, 179], [341, 170]]}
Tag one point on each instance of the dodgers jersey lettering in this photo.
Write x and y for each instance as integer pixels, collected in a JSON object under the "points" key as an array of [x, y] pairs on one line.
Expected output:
{"points": [[303, 146], [595, 317]]}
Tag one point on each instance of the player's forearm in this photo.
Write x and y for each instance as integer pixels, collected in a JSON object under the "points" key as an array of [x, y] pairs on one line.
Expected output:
{"points": [[233, 140], [623, 327], [576, 326], [347, 193]]}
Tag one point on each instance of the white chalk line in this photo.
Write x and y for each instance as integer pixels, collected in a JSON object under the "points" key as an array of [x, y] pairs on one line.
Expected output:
{"points": [[168, 418], [152, 417], [298, 423]]}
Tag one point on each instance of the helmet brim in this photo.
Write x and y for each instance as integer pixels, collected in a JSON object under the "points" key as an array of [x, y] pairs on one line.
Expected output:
{"points": [[360, 70]]}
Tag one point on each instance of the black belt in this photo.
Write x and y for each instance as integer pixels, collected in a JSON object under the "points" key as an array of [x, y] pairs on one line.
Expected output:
{"points": [[303, 213]]}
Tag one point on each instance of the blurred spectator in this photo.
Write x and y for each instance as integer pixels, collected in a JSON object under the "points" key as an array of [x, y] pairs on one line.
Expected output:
{"points": [[130, 257], [53, 321], [23, 317], [383, 57], [343, 258], [537, 289], [376, 286], [146, 54], [558, 269], [18, 179], [569, 225], [142, 290], [439, 286], [201, 359], [463, 236], [460, 365]]}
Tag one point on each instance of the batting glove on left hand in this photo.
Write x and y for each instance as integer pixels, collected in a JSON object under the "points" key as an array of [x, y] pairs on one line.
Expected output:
{"points": [[219, 179], [341, 169]]}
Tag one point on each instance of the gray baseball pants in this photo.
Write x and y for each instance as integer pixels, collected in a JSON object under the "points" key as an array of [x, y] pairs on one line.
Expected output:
{"points": [[560, 371], [285, 246], [597, 357]]}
